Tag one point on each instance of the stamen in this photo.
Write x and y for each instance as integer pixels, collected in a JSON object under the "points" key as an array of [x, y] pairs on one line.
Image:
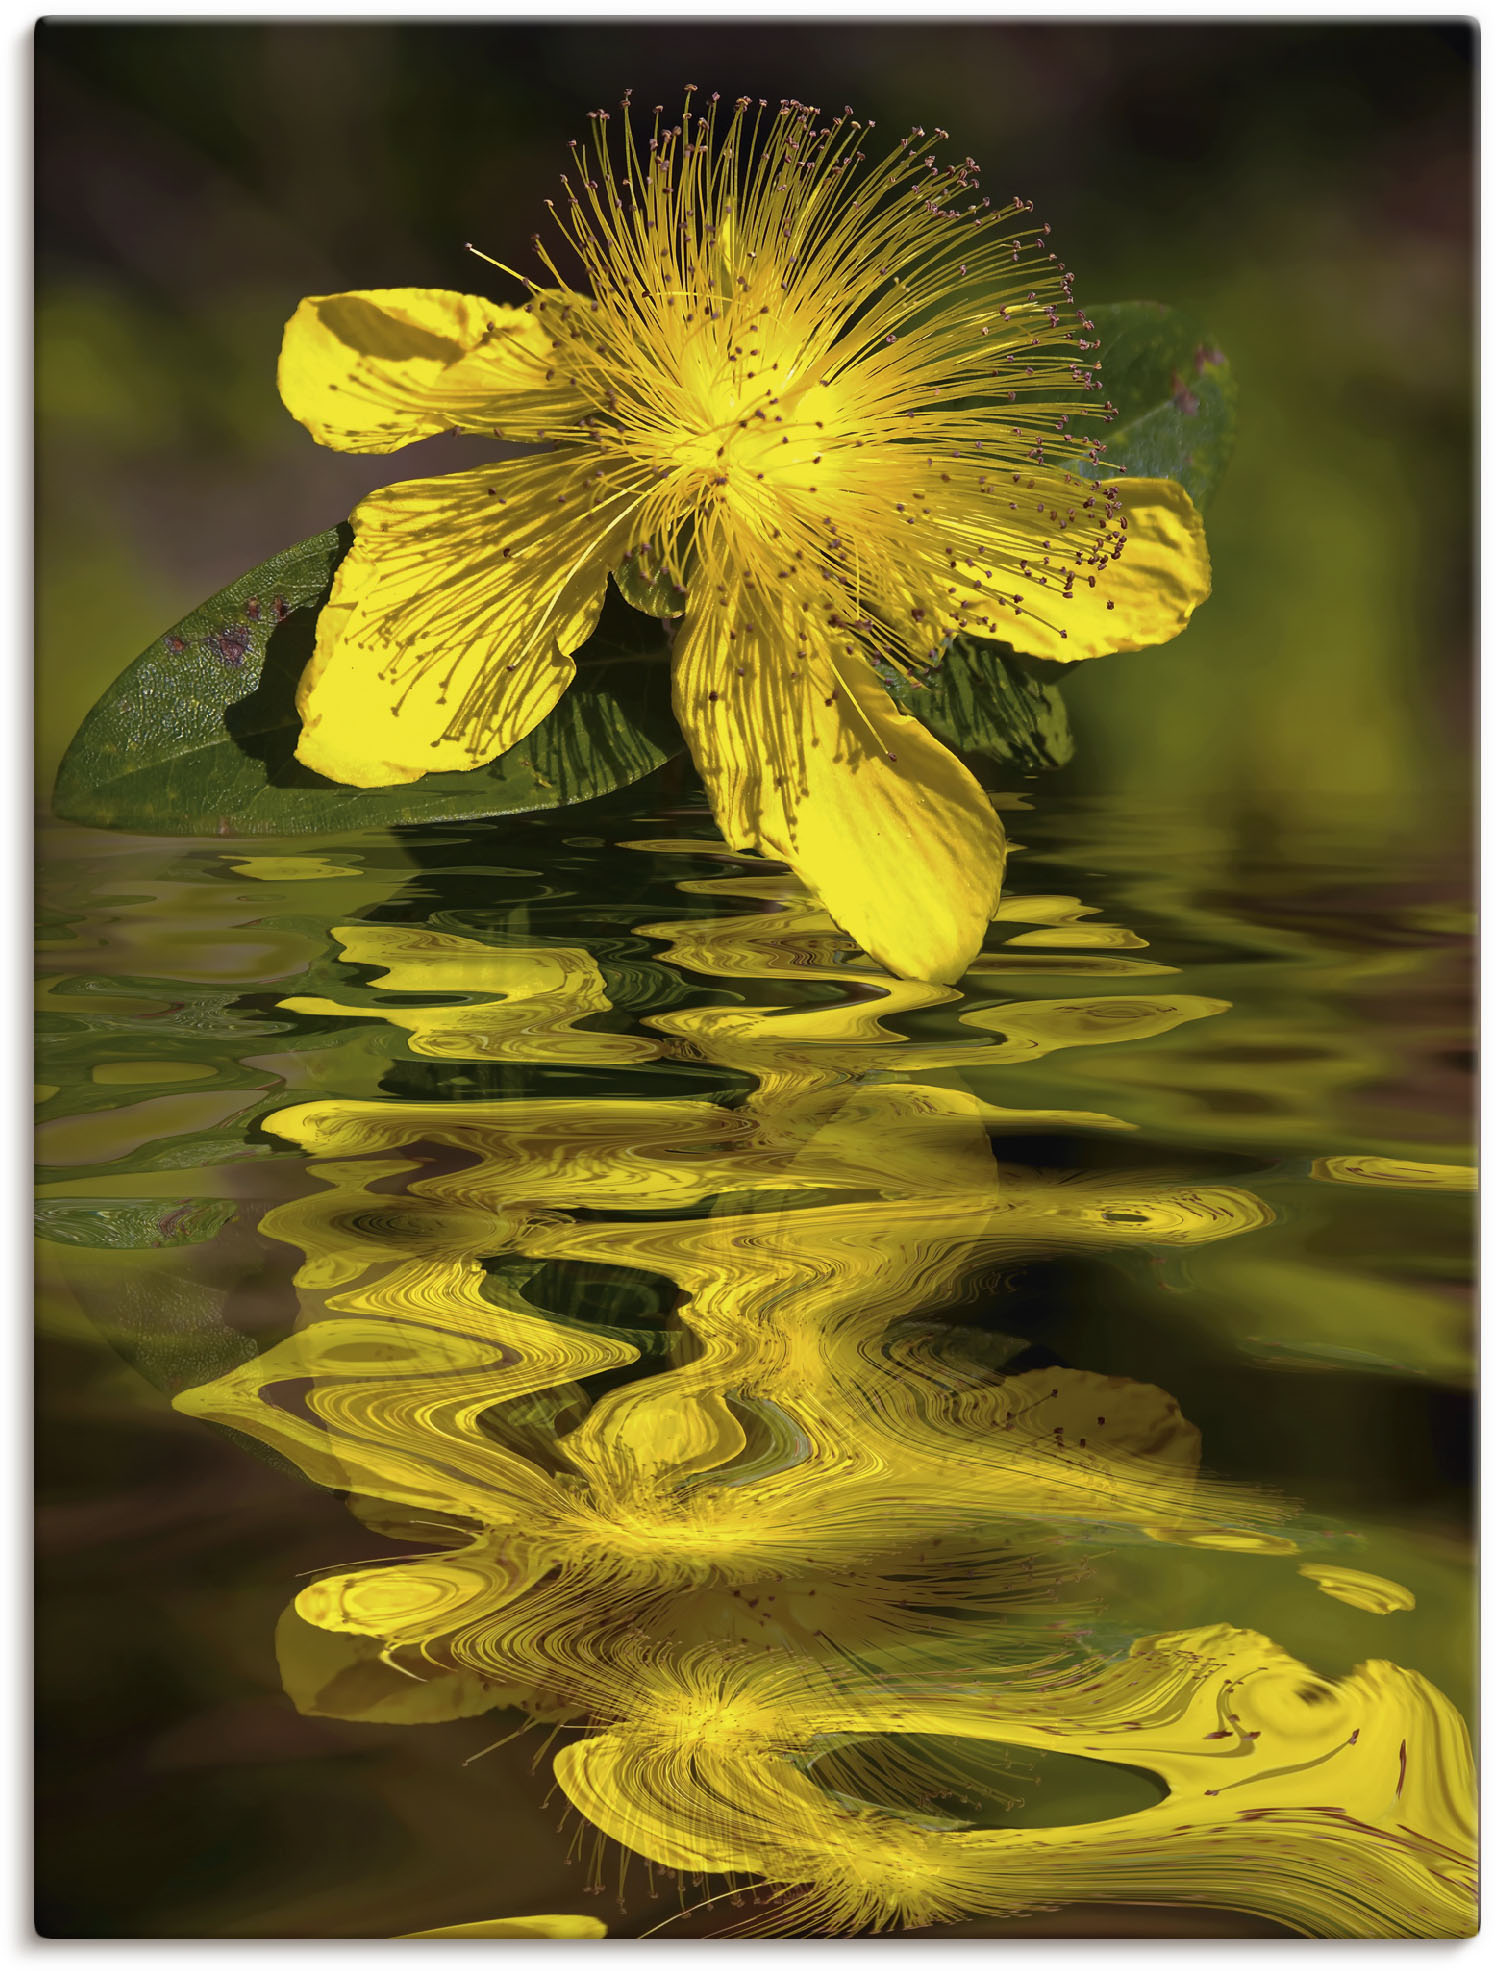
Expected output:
{"points": [[796, 370]]}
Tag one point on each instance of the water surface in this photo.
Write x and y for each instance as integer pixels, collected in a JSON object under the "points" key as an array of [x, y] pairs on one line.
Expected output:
{"points": [[792, 1243]]}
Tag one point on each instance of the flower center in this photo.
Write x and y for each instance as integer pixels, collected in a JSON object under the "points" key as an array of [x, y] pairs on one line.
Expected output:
{"points": [[753, 423], [802, 372]]}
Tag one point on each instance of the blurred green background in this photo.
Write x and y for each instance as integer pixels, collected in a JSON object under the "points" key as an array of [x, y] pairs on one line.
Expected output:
{"points": [[1305, 190]]}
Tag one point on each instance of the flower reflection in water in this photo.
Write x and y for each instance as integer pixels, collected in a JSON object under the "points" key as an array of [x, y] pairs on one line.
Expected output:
{"points": [[793, 1552]]}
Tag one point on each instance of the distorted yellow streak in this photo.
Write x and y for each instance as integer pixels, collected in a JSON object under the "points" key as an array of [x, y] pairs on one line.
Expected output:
{"points": [[1060, 921], [395, 1402], [525, 1928], [1371, 1592], [1031, 1028], [533, 997], [1396, 1173], [1085, 937]]}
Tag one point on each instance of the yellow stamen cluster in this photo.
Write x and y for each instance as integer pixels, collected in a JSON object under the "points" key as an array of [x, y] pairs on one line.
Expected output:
{"points": [[849, 397]]}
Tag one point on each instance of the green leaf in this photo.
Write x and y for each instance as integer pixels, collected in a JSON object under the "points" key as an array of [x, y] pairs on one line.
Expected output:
{"points": [[1174, 395], [982, 699], [128, 1224], [198, 736]]}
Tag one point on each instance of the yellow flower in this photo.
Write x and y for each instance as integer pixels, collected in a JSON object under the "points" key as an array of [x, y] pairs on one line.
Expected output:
{"points": [[840, 406]]}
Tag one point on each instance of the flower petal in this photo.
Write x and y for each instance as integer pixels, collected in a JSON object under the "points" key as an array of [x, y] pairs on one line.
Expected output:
{"points": [[807, 758], [448, 633], [371, 372], [1158, 575], [1068, 575]]}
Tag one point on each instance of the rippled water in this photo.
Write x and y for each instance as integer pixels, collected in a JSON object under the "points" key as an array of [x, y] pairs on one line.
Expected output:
{"points": [[567, 1268]]}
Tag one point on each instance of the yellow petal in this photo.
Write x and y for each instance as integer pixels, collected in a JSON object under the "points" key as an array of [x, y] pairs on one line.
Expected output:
{"points": [[806, 757], [1055, 565], [1158, 577], [370, 372], [448, 633]]}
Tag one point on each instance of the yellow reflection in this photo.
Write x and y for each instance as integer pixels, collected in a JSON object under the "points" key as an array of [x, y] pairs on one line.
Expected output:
{"points": [[1340, 1809], [803, 1508], [531, 997], [1365, 1591], [1400, 1175], [526, 1928], [1031, 1028], [1098, 937]]}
